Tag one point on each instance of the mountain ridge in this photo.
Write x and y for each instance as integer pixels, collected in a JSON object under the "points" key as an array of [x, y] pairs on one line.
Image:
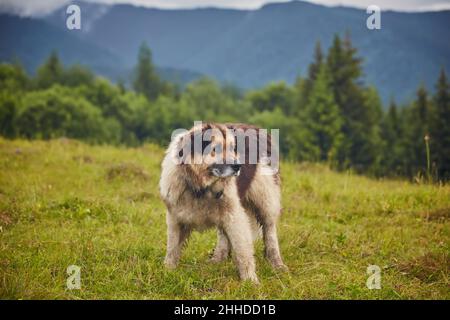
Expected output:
{"points": [[275, 42]]}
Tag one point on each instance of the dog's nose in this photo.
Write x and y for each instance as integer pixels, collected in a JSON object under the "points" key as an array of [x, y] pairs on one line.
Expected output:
{"points": [[236, 167]]}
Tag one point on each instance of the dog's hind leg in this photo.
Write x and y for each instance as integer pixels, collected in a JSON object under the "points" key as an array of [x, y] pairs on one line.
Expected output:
{"points": [[267, 210], [222, 249], [272, 248], [176, 236], [268, 216], [237, 228]]}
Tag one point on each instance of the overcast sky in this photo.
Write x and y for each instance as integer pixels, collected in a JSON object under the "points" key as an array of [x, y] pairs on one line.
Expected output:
{"points": [[32, 7]]}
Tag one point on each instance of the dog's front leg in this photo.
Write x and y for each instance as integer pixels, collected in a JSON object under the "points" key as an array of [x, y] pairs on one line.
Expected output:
{"points": [[222, 249], [238, 231], [176, 236], [272, 250]]}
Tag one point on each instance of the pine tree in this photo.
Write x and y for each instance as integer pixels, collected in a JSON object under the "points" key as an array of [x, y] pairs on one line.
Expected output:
{"points": [[314, 67], [372, 117], [146, 80], [417, 129], [50, 72], [357, 105], [345, 69], [20, 75], [305, 85], [392, 135], [322, 118], [440, 127]]}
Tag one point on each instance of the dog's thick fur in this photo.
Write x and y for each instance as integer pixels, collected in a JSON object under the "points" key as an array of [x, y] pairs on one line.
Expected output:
{"points": [[238, 206]]}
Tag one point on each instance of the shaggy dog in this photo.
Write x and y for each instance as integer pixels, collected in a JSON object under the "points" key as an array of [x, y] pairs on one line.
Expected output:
{"points": [[217, 185]]}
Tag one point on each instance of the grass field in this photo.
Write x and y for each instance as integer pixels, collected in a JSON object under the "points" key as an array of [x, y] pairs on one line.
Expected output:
{"points": [[66, 203]]}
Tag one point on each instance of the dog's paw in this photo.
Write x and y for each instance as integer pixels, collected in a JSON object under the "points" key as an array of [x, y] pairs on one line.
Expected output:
{"points": [[250, 277], [170, 264], [281, 267], [253, 279], [218, 258]]}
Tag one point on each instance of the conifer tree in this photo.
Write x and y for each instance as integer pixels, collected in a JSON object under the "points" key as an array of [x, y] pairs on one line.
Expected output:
{"points": [[314, 67], [146, 81], [392, 136], [322, 117], [417, 129], [50, 72], [304, 85], [440, 127], [358, 107]]}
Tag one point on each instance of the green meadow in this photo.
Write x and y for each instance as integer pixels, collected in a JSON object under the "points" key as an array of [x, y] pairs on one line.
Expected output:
{"points": [[63, 202]]}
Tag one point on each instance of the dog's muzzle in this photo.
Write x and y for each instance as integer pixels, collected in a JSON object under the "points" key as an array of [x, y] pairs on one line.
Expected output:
{"points": [[225, 170]]}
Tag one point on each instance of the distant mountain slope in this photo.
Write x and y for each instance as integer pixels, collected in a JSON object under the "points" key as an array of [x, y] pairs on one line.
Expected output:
{"points": [[252, 48], [31, 41]]}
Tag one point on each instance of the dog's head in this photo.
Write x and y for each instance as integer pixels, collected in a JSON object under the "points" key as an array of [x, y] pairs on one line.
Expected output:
{"points": [[209, 152]]}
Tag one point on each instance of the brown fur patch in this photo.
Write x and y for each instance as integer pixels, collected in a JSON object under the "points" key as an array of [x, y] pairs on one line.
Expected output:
{"points": [[193, 179], [245, 179], [248, 171]]}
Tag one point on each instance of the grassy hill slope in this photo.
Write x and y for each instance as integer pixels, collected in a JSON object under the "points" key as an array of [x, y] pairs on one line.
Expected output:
{"points": [[66, 203]]}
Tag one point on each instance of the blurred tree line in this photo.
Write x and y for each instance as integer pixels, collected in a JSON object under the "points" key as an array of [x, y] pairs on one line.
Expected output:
{"points": [[328, 116]]}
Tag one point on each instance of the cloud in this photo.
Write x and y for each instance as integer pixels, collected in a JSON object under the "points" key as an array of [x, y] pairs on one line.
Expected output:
{"points": [[174, 4], [399, 5], [40, 7], [30, 7]]}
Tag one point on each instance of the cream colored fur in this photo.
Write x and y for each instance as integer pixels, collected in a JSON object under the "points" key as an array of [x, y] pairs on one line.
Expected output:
{"points": [[238, 222]]}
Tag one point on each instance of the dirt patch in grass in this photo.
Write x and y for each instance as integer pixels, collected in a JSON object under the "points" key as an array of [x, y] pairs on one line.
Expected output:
{"points": [[127, 170], [5, 219], [439, 215], [83, 159], [142, 196], [310, 167], [429, 268], [67, 141], [20, 152]]}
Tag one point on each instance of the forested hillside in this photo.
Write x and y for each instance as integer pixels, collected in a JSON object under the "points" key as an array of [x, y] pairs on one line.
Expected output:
{"points": [[328, 116]]}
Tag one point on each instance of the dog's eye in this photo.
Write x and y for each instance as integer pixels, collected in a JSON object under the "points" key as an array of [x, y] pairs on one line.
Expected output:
{"points": [[205, 144]]}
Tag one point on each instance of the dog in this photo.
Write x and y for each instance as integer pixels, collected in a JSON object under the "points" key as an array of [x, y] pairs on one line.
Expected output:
{"points": [[215, 185]]}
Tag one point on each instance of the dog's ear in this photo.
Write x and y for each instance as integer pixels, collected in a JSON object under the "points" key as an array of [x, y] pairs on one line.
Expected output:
{"points": [[186, 147], [198, 134], [205, 143], [183, 148]]}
